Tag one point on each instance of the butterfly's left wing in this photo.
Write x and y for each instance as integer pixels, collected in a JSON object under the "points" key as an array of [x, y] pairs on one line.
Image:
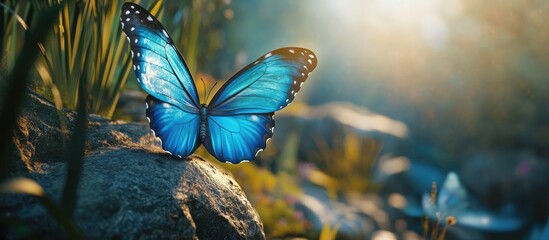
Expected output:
{"points": [[240, 114]]}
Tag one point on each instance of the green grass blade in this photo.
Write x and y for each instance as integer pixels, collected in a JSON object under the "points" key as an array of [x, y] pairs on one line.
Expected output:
{"points": [[75, 149], [17, 81]]}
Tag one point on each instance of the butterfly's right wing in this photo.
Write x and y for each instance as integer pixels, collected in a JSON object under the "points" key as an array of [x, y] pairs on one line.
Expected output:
{"points": [[266, 85], [177, 129], [238, 138], [159, 67]]}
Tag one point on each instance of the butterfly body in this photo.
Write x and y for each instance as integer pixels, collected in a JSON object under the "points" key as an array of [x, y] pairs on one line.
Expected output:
{"points": [[236, 124], [203, 119]]}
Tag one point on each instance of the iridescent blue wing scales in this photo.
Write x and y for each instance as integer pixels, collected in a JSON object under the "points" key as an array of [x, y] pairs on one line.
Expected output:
{"points": [[267, 85], [240, 137], [240, 114], [158, 65], [173, 107], [177, 129]]}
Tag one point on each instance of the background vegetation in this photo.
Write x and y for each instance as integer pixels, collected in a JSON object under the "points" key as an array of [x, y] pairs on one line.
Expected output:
{"points": [[466, 77]]}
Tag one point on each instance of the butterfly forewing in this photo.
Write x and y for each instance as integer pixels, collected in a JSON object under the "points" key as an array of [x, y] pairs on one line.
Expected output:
{"points": [[266, 85], [159, 67]]}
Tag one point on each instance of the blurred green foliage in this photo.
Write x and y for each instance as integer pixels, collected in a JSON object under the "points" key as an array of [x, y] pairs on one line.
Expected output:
{"points": [[328, 233], [86, 42], [274, 196], [348, 162]]}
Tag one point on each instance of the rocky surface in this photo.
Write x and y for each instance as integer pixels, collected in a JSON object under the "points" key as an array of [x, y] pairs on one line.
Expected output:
{"points": [[129, 188]]}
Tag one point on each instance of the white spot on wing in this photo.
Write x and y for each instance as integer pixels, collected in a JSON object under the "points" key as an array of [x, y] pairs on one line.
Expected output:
{"points": [[310, 61], [258, 151], [302, 74], [291, 51], [127, 12], [138, 12], [150, 18], [268, 55], [127, 19], [132, 6], [165, 33], [131, 52], [135, 40], [147, 106], [148, 119], [301, 84], [131, 29], [311, 56], [128, 38], [122, 23], [138, 54]]}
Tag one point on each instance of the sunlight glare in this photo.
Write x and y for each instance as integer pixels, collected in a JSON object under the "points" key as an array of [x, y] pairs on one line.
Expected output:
{"points": [[423, 18]]}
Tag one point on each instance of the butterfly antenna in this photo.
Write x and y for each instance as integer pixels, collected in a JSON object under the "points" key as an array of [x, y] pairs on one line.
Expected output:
{"points": [[205, 95], [211, 90]]}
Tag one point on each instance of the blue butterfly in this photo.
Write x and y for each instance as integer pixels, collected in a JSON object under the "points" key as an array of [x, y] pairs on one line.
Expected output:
{"points": [[238, 121]]}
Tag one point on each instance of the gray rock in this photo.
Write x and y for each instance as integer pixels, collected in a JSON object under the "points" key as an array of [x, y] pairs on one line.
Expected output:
{"points": [[129, 188]]}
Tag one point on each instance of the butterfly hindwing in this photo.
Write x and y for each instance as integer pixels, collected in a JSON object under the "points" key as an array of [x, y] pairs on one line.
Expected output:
{"points": [[159, 67], [177, 129], [265, 86], [240, 137]]}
